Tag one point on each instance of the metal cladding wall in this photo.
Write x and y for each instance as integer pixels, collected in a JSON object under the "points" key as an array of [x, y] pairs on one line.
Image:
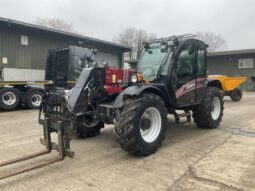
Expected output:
{"points": [[34, 54], [228, 65]]}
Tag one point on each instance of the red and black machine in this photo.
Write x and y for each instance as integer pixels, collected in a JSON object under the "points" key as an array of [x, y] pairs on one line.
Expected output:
{"points": [[171, 75]]}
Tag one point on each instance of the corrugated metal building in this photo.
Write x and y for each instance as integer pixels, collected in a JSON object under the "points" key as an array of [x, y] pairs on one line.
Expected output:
{"points": [[24, 47], [234, 63]]}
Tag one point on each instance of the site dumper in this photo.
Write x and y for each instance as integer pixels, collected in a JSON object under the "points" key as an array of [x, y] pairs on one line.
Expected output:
{"points": [[230, 86]]}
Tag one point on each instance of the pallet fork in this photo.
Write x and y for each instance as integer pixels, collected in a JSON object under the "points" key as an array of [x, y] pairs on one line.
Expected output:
{"points": [[63, 146]]}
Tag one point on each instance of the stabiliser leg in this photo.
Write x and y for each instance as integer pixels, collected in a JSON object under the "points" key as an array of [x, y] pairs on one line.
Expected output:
{"points": [[63, 147]]}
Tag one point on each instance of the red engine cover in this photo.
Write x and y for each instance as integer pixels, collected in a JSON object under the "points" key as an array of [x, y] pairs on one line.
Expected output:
{"points": [[118, 76]]}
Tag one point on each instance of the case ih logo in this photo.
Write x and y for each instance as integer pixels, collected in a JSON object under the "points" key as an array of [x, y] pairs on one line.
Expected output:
{"points": [[190, 86]]}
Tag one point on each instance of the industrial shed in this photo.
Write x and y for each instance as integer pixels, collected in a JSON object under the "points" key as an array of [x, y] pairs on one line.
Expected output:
{"points": [[234, 63], [24, 48]]}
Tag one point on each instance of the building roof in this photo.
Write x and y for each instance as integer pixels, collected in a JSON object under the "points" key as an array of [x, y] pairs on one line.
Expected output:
{"points": [[232, 52], [88, 39]]}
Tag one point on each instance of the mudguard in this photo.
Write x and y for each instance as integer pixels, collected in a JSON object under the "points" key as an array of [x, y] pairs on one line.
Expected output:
{"points": [[211, 82], [137, 90]]}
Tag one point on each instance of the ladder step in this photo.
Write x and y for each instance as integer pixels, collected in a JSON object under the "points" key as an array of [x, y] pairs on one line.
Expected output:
{"points": [[185, 114]]}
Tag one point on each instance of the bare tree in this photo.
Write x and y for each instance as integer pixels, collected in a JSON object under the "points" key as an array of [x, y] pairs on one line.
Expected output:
{"points": [[134, 38], [55, 23], [215, 41]]}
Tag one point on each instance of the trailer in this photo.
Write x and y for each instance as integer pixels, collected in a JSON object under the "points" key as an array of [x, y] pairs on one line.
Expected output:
{"points": [[23, 52], [25, 93]]}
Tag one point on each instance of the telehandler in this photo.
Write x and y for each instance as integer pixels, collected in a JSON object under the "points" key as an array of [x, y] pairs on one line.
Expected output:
{"points": [[171, 75]]}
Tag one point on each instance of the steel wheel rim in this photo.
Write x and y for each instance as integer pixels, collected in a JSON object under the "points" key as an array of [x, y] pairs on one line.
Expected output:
{"points": [[152, 131], [216, 108], [9, 98], [36, 100]]}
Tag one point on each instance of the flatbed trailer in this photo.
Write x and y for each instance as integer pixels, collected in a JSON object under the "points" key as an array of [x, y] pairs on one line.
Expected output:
{"points": [[25, 93]]}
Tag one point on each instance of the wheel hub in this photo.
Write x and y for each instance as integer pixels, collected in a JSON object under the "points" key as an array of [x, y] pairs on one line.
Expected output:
{"points": [[150, 124], [9, 98], [215, 108], [146, 123], [36, 100]]}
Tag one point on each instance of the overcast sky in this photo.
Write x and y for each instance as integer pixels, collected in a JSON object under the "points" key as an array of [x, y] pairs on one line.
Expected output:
{"points": [[104, 19]]}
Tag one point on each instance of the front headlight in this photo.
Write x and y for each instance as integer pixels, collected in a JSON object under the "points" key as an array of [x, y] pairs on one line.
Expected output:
{"points": [[134, 79]]}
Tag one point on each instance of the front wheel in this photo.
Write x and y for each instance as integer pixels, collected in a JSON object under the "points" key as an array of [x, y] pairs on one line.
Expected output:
{"points": [[210, 111], [88, 127], [141, 124]]}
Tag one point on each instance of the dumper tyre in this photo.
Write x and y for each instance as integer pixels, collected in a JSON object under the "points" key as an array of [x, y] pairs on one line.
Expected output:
{"points": [[236, 95], [9, 98], [85, 130], [209, 113], [34, 99], [141, 124]]}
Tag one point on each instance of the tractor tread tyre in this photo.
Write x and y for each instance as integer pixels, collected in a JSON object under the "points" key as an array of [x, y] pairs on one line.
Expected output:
{"points": [[128, 122], [202, 113], [15, 92], [236, 95], [29, 103], [85, 132]]}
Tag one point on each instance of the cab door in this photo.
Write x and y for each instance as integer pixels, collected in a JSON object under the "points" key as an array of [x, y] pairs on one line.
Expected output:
{"points": [[184, 75], [201, 70]]}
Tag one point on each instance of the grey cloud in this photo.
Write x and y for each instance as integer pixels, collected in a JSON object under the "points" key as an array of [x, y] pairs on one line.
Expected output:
{"points": [[233, 19]]}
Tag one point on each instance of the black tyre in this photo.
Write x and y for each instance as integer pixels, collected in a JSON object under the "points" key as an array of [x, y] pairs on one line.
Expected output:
{"points": [[9, 98], [209, 113], [236, 94], [89, 128], [141, 123], [34, 99]]}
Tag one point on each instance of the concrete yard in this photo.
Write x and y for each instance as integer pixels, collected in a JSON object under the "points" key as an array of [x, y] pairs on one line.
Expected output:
{"points": [[189, 159]]}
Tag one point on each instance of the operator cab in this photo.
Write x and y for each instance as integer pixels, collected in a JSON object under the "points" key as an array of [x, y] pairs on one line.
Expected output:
{"points": [[178, 63]]}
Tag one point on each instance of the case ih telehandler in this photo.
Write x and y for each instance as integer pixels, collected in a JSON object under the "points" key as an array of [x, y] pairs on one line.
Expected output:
{"points": [[171, 75]]}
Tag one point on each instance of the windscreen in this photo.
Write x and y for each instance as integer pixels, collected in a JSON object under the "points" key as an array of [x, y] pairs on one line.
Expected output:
{"points": [[151, 60]]}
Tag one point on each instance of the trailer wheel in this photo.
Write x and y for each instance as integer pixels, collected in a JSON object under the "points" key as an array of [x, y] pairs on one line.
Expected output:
{"points": [[209, 113], [9, 98], [89, 127], [34, 99], [236, 95], [141, 124]]}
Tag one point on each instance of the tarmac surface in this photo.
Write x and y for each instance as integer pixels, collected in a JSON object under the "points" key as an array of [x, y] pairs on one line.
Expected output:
{"points": [[189, 159]]}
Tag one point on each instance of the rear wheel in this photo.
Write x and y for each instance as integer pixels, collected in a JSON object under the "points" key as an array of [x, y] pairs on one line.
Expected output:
{"points": [[9, 98], [141, 124], [209, 113], [34, 99], [236, 94]]}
